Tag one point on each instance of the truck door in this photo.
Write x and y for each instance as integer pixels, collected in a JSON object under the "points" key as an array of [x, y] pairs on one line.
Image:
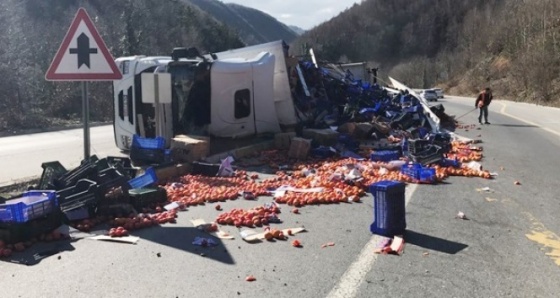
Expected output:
{"points": [[125, 122], [266, 120], [232, 108]]}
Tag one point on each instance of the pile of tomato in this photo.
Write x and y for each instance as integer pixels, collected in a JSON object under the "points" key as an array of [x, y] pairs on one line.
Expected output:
{"points": [[258, 216]]}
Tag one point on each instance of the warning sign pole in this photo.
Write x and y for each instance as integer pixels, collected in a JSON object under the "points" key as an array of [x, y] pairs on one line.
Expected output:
{"points": [[85, 116]]}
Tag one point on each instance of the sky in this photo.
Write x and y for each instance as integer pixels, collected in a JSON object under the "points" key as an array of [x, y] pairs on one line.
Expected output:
{"points": [[305, 14]]}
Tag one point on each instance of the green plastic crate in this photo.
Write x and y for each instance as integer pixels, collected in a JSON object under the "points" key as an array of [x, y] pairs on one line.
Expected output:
{"points": [[145, 197]]}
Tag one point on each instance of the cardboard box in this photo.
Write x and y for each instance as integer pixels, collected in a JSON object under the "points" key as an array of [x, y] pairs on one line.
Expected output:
{"points": [[167, 172], [283, 140], [324, 137], [189, 148], [299, 148]]}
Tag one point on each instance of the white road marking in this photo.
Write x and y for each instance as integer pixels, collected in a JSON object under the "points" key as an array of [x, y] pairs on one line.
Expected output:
{"points": [[350, 282], [503, 111]]}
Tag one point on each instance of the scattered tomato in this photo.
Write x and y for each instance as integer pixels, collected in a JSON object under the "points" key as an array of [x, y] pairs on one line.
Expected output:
{"points": [[250, 278]]}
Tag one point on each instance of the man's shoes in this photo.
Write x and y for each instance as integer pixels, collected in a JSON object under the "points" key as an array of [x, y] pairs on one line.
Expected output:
{"points": [[486, 122], [480, 122]]}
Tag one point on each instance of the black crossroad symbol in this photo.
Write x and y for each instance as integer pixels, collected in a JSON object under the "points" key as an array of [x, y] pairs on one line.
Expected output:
{"points": [[83, 51]]}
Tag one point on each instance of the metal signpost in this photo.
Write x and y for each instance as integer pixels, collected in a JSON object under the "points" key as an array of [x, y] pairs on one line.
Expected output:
{"points": [[83, 56]]}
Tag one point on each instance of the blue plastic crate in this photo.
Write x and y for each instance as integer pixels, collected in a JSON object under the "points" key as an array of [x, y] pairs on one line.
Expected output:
{"points": [[147, 156], [388, 208], [31, 205], [419, 173], [446, 162], [78, 214], [167, 157], [385, 155], [148, 143], [147, 179], [348, 142], [323, 152]]}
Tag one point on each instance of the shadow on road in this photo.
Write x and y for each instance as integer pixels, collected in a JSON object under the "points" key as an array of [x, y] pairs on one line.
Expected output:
{"points": [[181, 238], [434, 243], [39, 251]]}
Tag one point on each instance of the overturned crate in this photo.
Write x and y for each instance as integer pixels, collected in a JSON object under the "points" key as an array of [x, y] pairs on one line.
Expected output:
{"points": [[147, 150], [30, 205], [87, 170], [21, 232], [142, 198], [51, 170], [79, 201]]}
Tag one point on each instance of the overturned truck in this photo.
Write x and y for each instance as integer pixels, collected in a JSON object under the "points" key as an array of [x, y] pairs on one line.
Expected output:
{"points": [[235, 93]]}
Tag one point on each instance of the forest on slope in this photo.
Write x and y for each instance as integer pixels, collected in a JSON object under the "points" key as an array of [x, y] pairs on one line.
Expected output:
{"points": [[462, 45], [32, 31]]}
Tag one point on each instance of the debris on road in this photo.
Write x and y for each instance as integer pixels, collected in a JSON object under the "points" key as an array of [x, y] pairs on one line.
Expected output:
{"points": [[354, 134], [204, 242], [485, 189], [211, 228], [461, 215], [269, 234], [124, 239], [517, 182], [250, 278], [327, 244]]}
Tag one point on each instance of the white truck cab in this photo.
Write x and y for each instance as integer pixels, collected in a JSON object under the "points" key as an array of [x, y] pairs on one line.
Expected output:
{"points": [[236, 93]]}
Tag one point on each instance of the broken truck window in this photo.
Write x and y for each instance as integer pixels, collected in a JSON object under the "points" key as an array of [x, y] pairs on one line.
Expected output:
{"points": [[242, 106]]}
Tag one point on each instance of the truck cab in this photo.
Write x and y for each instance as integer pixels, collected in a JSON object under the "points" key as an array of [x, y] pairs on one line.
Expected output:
{"points": [[229, 97]]}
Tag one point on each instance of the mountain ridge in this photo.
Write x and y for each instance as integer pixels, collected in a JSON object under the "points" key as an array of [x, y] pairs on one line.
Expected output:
{"points": [[253, 26]]}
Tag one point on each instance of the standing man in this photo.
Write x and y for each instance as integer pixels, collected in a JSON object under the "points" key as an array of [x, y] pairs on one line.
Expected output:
{"points": [[482, 102]]}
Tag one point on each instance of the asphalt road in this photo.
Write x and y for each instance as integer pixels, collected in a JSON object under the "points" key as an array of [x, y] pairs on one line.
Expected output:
{"points": [[509, 247], [21, 156]]}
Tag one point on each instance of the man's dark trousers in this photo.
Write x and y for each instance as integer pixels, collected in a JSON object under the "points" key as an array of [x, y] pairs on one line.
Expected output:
{"points": [[483, 110]]}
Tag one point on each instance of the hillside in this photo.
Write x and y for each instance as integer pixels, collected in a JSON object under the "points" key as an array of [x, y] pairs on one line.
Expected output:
{"points": [[32, 31], [462, 45], [297, 30], [253, 26]]}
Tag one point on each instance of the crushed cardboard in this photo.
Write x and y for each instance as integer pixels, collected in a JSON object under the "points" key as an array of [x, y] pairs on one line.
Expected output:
{"points": [[126, 239], [202, 225], [254, 236]]}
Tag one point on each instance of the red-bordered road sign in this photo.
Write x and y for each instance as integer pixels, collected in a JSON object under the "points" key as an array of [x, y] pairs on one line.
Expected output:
{"points": [[83, 56]]}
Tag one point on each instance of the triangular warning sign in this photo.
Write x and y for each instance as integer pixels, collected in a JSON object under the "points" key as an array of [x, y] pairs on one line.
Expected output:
{"points": [[83, 56]]}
